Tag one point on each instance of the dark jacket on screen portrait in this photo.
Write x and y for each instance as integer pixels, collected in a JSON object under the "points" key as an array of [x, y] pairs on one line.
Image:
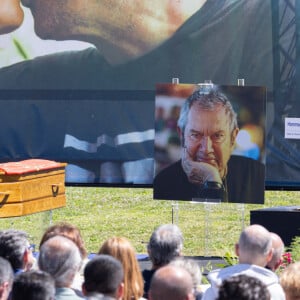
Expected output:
{"points": [[244, 182]]}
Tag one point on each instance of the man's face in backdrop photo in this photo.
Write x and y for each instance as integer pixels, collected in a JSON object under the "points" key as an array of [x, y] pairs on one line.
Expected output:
{"points": [[207, 137]]}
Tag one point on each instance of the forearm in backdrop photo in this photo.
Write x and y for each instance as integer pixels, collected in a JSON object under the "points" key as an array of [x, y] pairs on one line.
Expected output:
{"points": [[84, 93]]}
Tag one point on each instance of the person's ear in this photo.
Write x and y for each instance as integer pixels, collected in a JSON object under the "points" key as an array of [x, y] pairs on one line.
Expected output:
{"points": [[190, 296], [83, 289], [3, 287], [277, 265], [181, 136], [25, 258], [237, 251], [120, 291], [28, 259], [233, 136], [270, 254]]}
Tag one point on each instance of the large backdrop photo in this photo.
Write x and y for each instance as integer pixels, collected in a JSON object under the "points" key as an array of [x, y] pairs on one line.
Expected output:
{"points": [[93, 107]]}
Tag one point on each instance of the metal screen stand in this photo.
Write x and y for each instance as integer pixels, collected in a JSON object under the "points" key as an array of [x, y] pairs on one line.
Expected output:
{"points": [[208, 215], [175, 211]]}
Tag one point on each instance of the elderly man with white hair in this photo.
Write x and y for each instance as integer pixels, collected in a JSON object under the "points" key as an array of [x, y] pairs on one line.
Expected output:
{"points": [[60, 257]]}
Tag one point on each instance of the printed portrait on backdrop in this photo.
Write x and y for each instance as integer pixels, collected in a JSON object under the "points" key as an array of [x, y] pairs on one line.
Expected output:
{"points": [[209, 143]]}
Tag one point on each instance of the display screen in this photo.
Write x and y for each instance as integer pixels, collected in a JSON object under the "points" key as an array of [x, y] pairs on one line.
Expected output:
{"points": [[89, 98]]}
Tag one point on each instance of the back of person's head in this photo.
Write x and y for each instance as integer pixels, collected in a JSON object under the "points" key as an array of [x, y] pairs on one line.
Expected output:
{"points": [[103, 274], [171, 282], [67, 230], [33, 285], [122, 249], [165, 244], [193, 268], [6, 278], [255, 246], [243, 287], [60, 257], [278, 250], [14, 245], [290, 281]]}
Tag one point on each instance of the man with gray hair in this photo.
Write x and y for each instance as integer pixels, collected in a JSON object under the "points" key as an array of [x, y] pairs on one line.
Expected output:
{"points": [[207, 171], [60, 257], [165, 244], [15, 247], [254, 251], [6, 278]]}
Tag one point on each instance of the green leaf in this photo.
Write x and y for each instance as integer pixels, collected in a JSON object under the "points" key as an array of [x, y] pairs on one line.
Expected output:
{"points": [[20, 49]]}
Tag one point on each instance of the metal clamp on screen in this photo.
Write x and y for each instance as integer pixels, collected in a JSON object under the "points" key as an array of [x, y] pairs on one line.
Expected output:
{"points": [[211, 191], [213, 185]]}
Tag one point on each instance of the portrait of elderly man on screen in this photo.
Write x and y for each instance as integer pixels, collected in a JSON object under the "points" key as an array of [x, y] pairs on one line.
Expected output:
{"points": [[210, 169]]}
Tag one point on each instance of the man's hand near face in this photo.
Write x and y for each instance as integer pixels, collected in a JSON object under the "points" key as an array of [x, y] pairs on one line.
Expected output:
{"points": [[199, 172]]}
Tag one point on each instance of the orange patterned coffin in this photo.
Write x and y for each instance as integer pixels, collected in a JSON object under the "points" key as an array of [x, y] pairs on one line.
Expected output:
{"points": [[31, 186]]}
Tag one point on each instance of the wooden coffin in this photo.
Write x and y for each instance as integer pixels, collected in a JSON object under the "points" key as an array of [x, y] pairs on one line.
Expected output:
{"points": [[31, 186]]}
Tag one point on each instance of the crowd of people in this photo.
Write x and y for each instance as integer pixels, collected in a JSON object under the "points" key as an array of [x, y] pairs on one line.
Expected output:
{"points": [[61, 269]]}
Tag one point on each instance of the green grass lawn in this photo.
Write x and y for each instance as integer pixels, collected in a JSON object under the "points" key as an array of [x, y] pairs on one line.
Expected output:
{"points": [[209, 229]]}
